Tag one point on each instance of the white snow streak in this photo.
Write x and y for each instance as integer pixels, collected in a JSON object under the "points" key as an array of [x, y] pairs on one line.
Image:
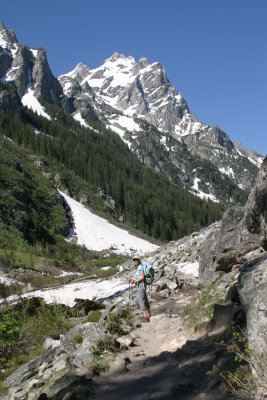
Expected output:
{"points": [[80, 119], [189, 268], [201, 194], [96, 233], [30, 101]]}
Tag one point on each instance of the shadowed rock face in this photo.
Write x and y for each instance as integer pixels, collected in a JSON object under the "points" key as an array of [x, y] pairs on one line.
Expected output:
{"points": [[252, 289], [256, 209], [5, 62], [226, 246], [241, 230], [27, 68], [9, 100], [46, 85]]}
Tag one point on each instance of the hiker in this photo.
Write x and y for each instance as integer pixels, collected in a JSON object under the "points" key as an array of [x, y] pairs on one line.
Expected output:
{"points": [[140, 281]]}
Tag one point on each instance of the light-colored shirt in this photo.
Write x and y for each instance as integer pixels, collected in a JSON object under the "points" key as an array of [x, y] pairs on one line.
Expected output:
{"points": [[140, 268]]}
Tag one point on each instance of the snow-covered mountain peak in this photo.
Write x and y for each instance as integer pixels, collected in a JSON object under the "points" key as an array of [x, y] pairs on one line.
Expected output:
{"points": [[8, 41], [79, 72], [117, 57], [7, 36]]}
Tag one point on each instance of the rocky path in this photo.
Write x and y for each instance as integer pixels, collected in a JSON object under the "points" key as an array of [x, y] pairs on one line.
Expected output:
{"points": [[164, 363]]}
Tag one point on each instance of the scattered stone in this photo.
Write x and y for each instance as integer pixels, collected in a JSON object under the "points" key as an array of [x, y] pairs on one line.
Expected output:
{"points": [[126, 341]]}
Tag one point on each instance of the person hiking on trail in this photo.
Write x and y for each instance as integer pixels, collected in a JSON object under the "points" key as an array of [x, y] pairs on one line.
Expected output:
{"points": [[140, 281]]}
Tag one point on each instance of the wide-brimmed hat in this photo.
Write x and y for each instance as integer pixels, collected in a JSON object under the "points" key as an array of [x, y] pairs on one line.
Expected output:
{"points": [[136, 257]]}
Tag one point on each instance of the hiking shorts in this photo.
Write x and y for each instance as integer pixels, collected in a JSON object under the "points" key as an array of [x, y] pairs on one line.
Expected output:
{"points": [[142, 297]]}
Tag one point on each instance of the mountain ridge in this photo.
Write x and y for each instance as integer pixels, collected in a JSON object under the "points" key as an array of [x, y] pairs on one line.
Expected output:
{"points": [[137, 101]]}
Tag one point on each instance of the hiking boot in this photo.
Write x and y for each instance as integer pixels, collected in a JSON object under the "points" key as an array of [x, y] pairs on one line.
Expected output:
{"points": [[145, 319]]}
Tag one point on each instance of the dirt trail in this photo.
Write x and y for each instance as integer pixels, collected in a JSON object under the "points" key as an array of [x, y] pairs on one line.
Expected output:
{"points": [[167, 361]]}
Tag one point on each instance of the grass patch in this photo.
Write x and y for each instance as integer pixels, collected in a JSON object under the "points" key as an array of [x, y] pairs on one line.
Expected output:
{"points": [[102, 346], [100, 273], [202, 308], [105, 262], [99, 367], [115, 322], [23, 329], [16, 361], [93, 316], [77, 339]]}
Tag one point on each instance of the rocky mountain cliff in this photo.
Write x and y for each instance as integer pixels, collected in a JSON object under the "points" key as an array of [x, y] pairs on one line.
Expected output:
{"points": [[137, 101], [124, 93], [28, 69]]}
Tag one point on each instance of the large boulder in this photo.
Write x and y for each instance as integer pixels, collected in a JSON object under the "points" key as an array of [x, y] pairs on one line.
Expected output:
{"points": [[256, 209], [226, 246], [241, 230], [252, 288]]}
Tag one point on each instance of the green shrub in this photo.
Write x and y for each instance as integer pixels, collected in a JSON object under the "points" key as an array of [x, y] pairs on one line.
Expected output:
{"points": [[115, 328], [242, 382], [93, 316], [102, 346], [25, 326], [203, 307], [9, 334]]}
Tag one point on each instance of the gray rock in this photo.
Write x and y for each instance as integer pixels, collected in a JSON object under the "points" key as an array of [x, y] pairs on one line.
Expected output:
{"points": [[252, 288], [256, 213], [126, 341], [30, 369], [51, 343], [83, 357]]}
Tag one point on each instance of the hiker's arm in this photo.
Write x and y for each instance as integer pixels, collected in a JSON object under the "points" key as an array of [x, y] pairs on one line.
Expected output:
{"points": [[142, 277]]}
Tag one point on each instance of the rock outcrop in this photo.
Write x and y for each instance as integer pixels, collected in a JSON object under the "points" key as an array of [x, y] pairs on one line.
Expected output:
{"points": [[252, 288], [238, 243], [256, 209], [241, 231], [27, 68]]}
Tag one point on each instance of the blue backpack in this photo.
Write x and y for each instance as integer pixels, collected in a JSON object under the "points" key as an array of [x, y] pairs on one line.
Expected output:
{"points": [[149, 273]]}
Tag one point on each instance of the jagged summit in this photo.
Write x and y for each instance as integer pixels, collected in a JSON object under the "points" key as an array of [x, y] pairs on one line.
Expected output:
{"points": [[117, 56], [7, 35], [79, 72], [139, 89]]}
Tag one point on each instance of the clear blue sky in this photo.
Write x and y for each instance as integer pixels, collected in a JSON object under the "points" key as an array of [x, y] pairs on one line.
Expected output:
{"points": [[214, 51]]}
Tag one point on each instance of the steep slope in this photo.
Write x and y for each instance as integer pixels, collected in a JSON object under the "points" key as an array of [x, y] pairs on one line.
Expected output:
{"points": [[96, 233], [100, 169], [29, 70]]}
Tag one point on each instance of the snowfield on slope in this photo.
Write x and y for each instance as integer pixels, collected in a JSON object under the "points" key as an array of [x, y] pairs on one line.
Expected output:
{"points": [[96, 233], [92, 290]]}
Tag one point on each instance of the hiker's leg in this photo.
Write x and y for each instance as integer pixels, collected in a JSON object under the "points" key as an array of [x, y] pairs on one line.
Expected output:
{"points": [[147, 304], [142, 299]]}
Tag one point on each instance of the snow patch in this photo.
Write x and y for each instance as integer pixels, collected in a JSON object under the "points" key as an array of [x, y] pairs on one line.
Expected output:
{"points": [[96, 233], [80, 119], [34, 52], [122, 123], [91, 290], [29, 100], [201, 194], [189, 268], [227, 171]]}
